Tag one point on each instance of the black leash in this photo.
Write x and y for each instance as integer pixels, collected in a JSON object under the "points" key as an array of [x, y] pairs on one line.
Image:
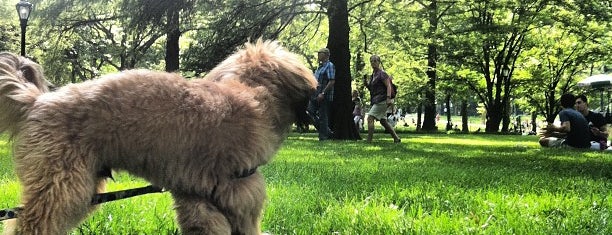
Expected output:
{"points": [[118, 195], [97, 199], [100, 198]]}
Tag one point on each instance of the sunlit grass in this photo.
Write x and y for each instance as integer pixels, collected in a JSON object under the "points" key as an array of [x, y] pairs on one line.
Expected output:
{"points": [[475, 140], [428, 184]]}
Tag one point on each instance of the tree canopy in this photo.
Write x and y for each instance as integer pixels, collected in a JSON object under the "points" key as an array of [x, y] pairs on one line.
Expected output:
{"points": [[439, 52]]}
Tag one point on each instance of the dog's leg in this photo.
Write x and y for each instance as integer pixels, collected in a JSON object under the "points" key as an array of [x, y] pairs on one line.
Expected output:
{"points": [[234, 208], [55, 211], [56, 197], [241, 200], [196, 215]]}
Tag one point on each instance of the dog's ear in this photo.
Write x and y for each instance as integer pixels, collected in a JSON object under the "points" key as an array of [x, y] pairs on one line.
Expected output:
{"points": [[297, 81], [33, 73], [23, 69], [266, 63]]}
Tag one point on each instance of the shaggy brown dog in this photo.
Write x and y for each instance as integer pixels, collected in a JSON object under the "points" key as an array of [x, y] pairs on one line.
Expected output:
{"points": [[202, 140]]}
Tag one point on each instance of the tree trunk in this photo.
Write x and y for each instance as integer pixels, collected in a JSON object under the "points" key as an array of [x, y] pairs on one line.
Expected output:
{"points": [[494, 118], [464, 117], [418, 120], [506, 117], [534, 122], [551, 107], [429, 123], [341, 117], [172, 42], [449, 122]]}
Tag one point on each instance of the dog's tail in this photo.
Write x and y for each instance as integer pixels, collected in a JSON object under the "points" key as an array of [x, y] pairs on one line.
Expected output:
{"points": [[21, 82]]}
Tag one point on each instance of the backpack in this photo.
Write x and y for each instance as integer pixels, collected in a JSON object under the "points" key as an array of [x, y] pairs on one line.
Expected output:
{"points": [[393, 88]]}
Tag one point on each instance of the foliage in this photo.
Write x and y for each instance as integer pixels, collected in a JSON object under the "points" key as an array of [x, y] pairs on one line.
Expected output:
{"points": [[80, 40], [540, 40], [144, 13], [8, 11], [390, 30], [303, 36], [429, 184], [231, 26], [9, 38], [560, 54]]}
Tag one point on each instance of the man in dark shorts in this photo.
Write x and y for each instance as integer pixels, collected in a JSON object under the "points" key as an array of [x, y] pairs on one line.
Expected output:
{"points": [[574, 130]]}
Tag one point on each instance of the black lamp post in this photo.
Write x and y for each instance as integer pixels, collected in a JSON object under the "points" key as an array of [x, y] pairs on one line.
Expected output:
{"points": [[505, 73], [23, 10]]}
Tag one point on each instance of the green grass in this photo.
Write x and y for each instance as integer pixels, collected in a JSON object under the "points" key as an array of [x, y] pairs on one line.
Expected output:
{"points": [[428, 184]]}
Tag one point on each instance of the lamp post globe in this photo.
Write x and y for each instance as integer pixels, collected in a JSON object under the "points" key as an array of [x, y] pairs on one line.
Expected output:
{"points": [[24, 8], [505, 71]]}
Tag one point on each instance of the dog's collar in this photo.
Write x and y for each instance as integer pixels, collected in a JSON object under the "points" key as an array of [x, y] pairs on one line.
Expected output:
{"points": [[244, 173]]}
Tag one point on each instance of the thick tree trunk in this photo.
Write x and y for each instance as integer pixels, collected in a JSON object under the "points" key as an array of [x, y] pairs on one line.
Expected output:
{"points": [[341, 117], [506, 117], [551, 107], [429, 123], [172, 42], [464, 117], [429, 119], [494, 118]]}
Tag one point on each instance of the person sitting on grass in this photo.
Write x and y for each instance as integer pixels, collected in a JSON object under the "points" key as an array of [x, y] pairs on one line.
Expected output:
{"points": [[597, 123], [574, 130]]}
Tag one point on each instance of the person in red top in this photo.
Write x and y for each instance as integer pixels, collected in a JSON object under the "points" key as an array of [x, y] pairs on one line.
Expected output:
{"points": [[380, 89]]}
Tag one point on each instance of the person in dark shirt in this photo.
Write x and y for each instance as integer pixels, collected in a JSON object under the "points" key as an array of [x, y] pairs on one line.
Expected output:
{"points": [[597, 122], [574, 130]]}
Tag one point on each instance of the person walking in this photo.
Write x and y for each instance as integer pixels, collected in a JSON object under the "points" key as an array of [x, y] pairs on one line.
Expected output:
{"points": [[380, 89], [320, 102]]}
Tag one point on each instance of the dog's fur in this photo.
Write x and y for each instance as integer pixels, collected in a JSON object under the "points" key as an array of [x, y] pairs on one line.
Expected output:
{"points": [[195, 138]]}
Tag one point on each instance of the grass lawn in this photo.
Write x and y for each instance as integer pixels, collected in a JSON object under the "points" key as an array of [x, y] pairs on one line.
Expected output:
{"points": [[428, 184]]}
